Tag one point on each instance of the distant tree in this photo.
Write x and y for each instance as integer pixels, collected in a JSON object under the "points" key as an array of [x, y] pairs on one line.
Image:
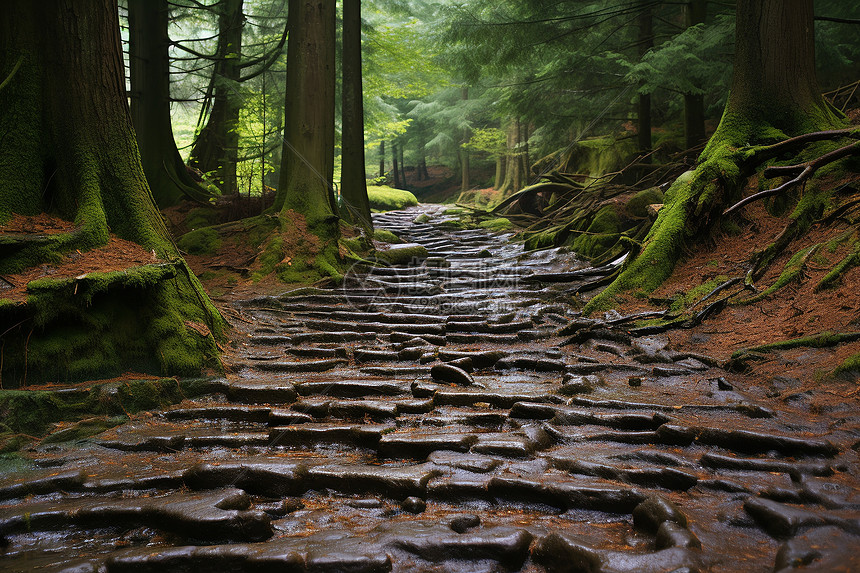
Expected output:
{"points": [[68, 148], [353, 180], [149, 66], [216, 148]]}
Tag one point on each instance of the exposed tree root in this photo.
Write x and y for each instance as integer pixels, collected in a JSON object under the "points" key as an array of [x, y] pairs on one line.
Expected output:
{"points": [[739, 360]]}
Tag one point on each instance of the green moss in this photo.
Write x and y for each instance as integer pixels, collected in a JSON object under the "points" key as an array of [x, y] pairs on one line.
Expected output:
{"points": [[421, 219], [32, 413], [383, 198], [386, 236], [822, 340], [403, 254], [692, 296], [792, 272], [202, 217], [850, 261], [200, 242], [499, 224], [104, 324], [638, 204], [850, 366]]}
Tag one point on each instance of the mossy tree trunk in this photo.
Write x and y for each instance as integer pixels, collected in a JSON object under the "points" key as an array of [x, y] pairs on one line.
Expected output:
{"points": [[216, 148], [149, 66], [774, 96], [353, 185], [69, 149], [513, 161]]}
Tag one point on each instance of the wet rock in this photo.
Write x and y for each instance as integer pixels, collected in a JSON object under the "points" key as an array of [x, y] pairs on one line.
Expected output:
{"points": [[63, 481], [438, 543], [362, 356], [713, 460], [530, 363], [312, 434], [464, 364], [784, 521], [564, 493], [418, 444], [480, 360], [469, 397], [451, 374], [671, 534], [504, 445], [414, 505], [261, 392], [821, 549], [363, 479], [352, 388], [469, 462], [562, 553], [309, 366], [274, 478], [220, 515], [667, 371], [655, 510], [634, 381], [463, 523], [236, 413]]}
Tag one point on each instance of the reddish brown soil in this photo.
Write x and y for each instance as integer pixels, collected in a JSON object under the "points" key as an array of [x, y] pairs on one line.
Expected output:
{"points": [[117, 255], [795, 311]]}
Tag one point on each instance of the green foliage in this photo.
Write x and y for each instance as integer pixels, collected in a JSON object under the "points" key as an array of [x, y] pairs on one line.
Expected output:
{"points": [[383, 198]]}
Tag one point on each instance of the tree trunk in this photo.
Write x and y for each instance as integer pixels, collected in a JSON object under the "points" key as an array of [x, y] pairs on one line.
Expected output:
{"points": [[694, 104], [464, 153], [524, 134], [774, 95], [500, 172], [645, 42], [69, 149], [513, 164], [165, 171], [307, 157], [353, 180], [216, 148], [396, 165], [774, 82], [382, 158], [402, 165]]}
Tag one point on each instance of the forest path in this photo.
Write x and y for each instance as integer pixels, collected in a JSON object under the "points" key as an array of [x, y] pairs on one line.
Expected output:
{"points": [[429, 417]]}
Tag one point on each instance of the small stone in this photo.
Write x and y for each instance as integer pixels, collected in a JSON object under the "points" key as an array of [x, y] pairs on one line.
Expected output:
{"points": [[452, 374], [465, 363], [292, 505], [722, 384], [485, 254], [654, 511], [414, 504], [670, 534], [634, 381], [463, 523]]}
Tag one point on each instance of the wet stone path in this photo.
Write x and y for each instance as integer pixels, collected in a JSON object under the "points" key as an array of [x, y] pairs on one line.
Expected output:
{"points": [[430, 417]]}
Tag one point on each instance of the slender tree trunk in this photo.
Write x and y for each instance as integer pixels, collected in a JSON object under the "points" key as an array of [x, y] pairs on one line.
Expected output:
{"points": [[307, 157], [518, 172], [353, 183], [382, 158], [165, 171], [464, 153], [525, 147], [694, 104], [402, 165], [500, 172], [69, 148], [513, 164], [396, 165], [646, 41], [217, 146]]}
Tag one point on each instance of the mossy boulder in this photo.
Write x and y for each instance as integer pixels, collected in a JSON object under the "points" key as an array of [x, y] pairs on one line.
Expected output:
{"points": [[386, 236], [204, 241], [637, 206], [384, 198], [403, 254], [500, 224]]}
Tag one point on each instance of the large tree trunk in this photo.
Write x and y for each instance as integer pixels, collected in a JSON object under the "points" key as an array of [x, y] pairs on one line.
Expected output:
{"points": [[69, 149], [216, 148], [353, 180], [149, 66], [695, 12], [774, 95]]}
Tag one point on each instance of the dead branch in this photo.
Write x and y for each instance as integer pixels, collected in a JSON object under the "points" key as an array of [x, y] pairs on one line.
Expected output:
{"points": [[801, 173]]}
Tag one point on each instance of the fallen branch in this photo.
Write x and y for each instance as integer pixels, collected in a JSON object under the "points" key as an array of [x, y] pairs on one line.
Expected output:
{"points": [[801, 173]]}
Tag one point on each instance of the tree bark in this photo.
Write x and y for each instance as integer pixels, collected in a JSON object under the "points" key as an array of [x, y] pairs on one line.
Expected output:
{"points": [[695, 12], [353, 184], [308, 155], [149, 66], [395, 165], [68, 147], [382, 158], [645, 42], [216, 148], [402, 165]]}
